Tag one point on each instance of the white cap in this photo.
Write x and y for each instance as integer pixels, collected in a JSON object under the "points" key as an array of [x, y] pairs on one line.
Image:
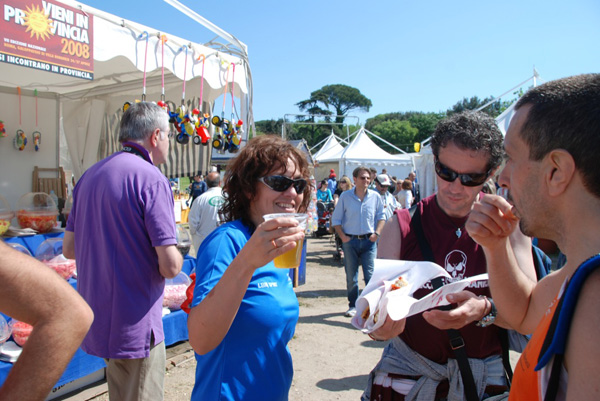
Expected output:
{"points": [[383, 179]]}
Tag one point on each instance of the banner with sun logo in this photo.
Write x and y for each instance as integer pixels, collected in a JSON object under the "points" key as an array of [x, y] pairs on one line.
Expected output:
{"points": [[47, 35]]}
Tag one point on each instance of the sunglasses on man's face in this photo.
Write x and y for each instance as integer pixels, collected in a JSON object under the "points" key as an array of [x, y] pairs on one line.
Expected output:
{"points": [[281, 183], [468, 180]]}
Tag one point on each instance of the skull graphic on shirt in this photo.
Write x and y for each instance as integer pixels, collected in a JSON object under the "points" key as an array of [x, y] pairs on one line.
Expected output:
{"points": [[455, 264]]}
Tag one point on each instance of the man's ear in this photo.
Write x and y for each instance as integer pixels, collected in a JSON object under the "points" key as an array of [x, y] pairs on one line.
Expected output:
{"points": [[154, 137], [558, 169]]}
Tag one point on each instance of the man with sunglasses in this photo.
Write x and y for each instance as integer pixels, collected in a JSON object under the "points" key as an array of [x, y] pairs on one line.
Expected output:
{"points": [[358, 219], [467, 148]]}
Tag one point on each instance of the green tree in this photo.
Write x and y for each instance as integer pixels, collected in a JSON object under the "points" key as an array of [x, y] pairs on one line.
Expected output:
{"points": [[473, 103], [341, 98], [397, 132], [268, 127], [425, 123]]}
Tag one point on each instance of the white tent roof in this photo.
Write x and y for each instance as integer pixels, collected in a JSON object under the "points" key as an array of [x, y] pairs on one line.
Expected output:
{"points": [[362, 148], [362, 151], [330, 151], [83, 114]]}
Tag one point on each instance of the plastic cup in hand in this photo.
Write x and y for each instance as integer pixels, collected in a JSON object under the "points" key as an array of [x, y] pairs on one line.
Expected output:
{"points": [[292, 258]]}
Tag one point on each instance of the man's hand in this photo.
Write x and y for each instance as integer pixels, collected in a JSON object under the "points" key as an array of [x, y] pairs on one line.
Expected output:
{"points": [[470, 308], [390, 329], [491, 221]]}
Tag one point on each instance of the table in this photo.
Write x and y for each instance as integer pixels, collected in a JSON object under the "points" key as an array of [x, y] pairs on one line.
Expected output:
{"points": [[82, 364]]}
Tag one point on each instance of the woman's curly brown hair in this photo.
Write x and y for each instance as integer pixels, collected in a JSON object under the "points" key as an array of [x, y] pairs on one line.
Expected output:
{"points": [[260, 156]]}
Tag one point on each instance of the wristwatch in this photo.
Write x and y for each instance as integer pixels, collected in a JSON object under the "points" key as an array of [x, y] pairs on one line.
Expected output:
{"points": [[490, 318], [377, 234]]}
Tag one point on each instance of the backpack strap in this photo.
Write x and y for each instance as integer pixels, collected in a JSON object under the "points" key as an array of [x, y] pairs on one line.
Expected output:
{"points": [[457, 343], [556, 339]]}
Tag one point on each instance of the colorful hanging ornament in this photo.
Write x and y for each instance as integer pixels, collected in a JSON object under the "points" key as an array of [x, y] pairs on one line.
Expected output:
{"points": [[219, 141], [201, 123], [37, 140], [186, 127], [20, 140], [3, 133], [162, 103], [37, 135], [234, 136]]}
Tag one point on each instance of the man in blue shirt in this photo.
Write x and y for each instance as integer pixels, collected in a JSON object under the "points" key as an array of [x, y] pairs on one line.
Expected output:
{"points": [[197, 188], [358, 219]]}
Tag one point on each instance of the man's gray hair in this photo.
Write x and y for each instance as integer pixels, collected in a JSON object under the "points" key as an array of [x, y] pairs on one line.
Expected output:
{"points": [[140, 120]]}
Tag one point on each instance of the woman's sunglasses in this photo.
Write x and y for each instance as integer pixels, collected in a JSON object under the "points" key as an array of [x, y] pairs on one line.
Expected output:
{"points": [[281, 183], [468, 180]]}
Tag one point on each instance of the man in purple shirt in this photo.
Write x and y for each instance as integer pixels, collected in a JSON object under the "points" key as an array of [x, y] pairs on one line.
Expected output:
{"points": [[121, 231]]}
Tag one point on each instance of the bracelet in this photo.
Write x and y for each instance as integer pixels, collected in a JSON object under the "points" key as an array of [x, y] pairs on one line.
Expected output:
{"points": [[373, 338], [376, 233], [490, 318]]}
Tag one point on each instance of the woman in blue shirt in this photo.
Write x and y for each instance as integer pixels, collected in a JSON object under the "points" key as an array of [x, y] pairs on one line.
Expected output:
{"points": [[244, 310], [323, 193]]}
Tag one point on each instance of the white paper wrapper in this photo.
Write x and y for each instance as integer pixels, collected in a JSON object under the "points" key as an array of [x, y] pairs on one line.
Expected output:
{"points": [[400, 304]]}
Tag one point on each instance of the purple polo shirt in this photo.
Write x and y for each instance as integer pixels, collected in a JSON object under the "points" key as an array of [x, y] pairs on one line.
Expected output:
{"points": [[123, 208]]}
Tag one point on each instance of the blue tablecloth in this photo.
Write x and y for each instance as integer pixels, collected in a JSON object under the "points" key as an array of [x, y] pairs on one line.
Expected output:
{"points": [[82, 364]]}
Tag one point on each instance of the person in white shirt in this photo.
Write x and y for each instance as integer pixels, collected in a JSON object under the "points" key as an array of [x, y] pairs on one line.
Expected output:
{"points": [[405, 196], [382, 184], [204, 213]]}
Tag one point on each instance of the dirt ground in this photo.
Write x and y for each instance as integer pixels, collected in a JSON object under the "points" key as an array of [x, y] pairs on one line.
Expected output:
{"points": [[331, 358]]}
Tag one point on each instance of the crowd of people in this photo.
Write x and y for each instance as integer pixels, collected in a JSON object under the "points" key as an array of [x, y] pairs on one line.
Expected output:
{"points": [[243, 310]]}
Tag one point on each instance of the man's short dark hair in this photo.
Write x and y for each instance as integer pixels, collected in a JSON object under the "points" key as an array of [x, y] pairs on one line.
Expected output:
{"points": [[565, 114], [359, 169], [470, 130]]}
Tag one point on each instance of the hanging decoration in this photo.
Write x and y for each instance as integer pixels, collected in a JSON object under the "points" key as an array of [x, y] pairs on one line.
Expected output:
{"points": [[201, 121], [37, 135], [227, 134], [184, 121], [162, 103], [127, 104], [20, 140], [219, 141], [236, 130], [3, 133]]}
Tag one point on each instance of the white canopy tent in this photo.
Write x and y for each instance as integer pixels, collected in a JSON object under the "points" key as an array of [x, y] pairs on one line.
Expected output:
{"points": [[362, 151], [79, 118], [328, 157]]}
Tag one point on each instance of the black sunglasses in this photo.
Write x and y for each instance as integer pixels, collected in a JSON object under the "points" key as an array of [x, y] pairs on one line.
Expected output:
{"points": [[281, 183], [468, 180]]}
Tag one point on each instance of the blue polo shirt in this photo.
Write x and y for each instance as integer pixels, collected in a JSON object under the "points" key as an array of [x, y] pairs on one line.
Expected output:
{"points": [[356, 216], [252, 362], [123, 208]]}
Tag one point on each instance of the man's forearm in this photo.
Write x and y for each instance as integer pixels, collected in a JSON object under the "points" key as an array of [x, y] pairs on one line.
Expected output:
{"points": [[510, 287]]}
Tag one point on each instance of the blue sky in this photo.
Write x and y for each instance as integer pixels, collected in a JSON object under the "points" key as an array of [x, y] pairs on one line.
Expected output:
{"points": [[403, 55]]}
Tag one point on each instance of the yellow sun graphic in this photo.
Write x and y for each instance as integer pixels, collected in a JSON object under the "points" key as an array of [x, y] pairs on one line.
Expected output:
{"points": [[38, 23]]}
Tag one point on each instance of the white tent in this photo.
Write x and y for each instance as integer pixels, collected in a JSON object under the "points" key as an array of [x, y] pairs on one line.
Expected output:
{"points": [[362, 151], [83, 114], [328, 157]]}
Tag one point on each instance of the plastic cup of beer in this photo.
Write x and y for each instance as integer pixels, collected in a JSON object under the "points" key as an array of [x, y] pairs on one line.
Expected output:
{"points": [[291, 259]]}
